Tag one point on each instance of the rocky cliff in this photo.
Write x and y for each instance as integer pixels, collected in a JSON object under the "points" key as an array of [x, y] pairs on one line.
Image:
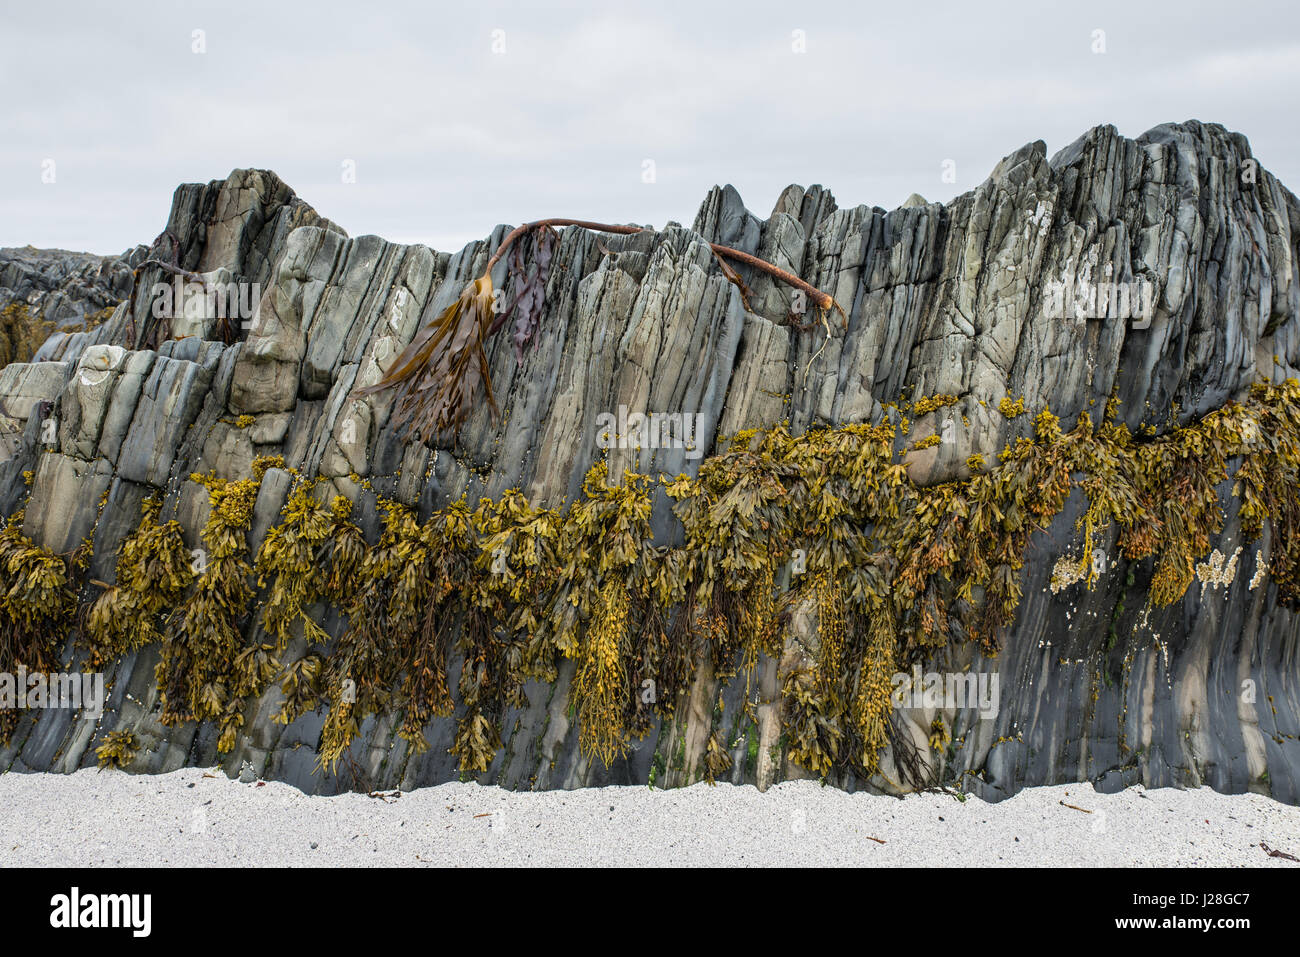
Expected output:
{"points": [[1152, 277], [43, 290]]}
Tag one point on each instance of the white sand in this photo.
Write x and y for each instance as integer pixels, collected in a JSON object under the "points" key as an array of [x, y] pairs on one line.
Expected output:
{"points": [[196, 817]]}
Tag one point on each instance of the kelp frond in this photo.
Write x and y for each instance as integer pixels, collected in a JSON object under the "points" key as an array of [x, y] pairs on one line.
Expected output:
{"points": [[437, 377], [441, 370]]}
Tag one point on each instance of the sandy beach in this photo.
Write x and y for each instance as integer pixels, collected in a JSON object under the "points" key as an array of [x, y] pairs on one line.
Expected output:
{"points": [[197, 817]]}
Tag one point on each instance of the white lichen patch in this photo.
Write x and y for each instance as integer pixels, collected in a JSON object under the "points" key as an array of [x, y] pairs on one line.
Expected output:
{"points": [[1218, 571], [1261, 570], [1066, 572]]}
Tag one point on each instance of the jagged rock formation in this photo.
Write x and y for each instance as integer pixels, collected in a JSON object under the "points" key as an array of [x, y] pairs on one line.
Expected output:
{"points": [[42, 290], [941, 299], [65, 288]]}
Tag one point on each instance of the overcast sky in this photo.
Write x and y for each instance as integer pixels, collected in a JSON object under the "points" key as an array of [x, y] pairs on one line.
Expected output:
{"points": [[459, 117]]}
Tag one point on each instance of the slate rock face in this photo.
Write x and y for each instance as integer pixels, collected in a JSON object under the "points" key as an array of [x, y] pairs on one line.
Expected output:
{"points": [[65, 288], [952, 299]]}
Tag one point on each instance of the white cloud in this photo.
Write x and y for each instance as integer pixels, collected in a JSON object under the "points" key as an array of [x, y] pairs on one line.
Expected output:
{"points": [[450, 139]]}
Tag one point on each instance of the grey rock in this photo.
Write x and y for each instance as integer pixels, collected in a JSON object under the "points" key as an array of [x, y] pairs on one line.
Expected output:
{"points": [[24, 385], [69, 290], [169, 401], [940, 298], [68, 491]]}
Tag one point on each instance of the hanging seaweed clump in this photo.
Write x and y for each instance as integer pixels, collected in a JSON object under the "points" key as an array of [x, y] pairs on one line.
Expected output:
{"points": [[815, 549], [38, 603], [117, 750], [847, 503], [444, 367], [312, 556], [153, 572], [1269, 480], [489, 675], [414, 584], [736, 528], [519, 554], [360, 674], [204, 672], [530, 287], [599, 610]]}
